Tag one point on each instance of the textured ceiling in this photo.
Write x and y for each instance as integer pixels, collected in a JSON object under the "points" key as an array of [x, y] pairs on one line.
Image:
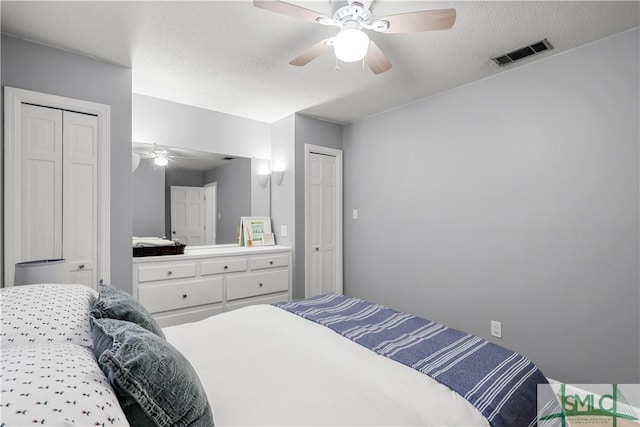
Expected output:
{"points": [[231, 57]]}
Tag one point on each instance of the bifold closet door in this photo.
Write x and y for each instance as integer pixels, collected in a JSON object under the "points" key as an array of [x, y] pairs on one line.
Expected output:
{"points": [[59, 189], [80, 196], [41, 175]]}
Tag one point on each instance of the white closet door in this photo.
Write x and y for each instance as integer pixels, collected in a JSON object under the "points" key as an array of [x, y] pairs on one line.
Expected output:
{"points": [[80, 198], [187, 215], [322, 225], [41, 176], [56, 184]]}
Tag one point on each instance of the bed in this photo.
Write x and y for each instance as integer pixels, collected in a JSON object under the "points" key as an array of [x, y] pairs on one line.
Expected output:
{"points": [[330, 360]]}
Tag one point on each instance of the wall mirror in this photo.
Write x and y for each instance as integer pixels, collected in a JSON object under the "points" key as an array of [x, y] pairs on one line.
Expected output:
{"points": [[193, 196]]}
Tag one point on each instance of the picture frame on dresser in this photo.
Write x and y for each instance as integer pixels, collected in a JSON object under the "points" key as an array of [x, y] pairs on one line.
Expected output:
{"points": [[253, 229]]}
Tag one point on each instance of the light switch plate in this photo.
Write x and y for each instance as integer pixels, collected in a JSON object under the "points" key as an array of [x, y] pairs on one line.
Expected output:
{"points": [[496, 329]]}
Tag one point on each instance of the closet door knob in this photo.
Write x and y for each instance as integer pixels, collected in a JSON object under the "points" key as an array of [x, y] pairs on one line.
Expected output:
{"points": [[81, 266], [169, 273], [184, 296], [270, 262], [260, 284], [226, 267]]}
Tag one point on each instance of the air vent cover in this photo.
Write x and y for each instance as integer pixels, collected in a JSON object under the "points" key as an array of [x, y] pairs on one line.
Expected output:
{"points": [[523, 52]]}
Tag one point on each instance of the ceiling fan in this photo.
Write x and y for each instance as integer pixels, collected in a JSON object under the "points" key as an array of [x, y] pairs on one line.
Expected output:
{"points": [[160, 157], [352, 44]]}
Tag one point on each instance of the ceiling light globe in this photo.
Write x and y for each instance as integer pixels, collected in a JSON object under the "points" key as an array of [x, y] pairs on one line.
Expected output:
{"points": [[161, 161], [351, 45]]}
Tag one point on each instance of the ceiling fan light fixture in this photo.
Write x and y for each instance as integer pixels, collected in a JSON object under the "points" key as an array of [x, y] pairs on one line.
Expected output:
{"points": [[351, 45], [161, 161]]}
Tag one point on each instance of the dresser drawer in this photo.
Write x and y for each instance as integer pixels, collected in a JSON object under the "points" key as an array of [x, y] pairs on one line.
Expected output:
{"points": [[172, 296], [257, 263], [249, 285], [219, 266], [166, 271]]}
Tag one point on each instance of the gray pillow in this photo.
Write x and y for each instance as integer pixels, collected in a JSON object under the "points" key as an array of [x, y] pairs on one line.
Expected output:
{"points": [[154, 382], [112, 303]]}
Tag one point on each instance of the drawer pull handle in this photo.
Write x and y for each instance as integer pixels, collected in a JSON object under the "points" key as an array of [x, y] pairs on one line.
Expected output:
{"points": [[226, 267], [81, 266], [184, 296], [169, 273], [260, 284], [270, 262]]}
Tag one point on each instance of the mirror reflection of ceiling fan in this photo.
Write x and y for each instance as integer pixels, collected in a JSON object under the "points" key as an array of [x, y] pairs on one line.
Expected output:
{"points": [[160, 157], [352, 44]]}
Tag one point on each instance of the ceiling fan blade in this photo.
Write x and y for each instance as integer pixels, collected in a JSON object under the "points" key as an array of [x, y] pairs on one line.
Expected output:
{"points": [[426, 20], [312, 53], [376, 60], [289, 10]]}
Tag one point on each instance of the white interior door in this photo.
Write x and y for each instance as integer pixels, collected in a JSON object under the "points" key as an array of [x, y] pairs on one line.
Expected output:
{"points": [[324, 223], [80, 198], [41, 174], [210, 213], [187, 215]]}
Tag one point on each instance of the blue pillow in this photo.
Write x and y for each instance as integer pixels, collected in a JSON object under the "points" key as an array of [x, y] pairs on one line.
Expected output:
{"points": [[112, 303], [154, 382]]}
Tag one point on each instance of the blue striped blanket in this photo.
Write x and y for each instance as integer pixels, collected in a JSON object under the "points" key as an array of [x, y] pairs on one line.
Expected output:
{"points": [[501, 384]]}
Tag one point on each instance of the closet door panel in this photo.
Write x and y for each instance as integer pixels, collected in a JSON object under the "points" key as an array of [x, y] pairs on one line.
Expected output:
{"points": [[80, 196], [41, 176]]}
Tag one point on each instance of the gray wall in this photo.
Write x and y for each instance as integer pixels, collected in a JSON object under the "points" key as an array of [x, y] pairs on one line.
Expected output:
{"points": [[315, 132], [514, 198], [234, 201], [148, 200], [39, 68], [182, 177], [283, 195]]}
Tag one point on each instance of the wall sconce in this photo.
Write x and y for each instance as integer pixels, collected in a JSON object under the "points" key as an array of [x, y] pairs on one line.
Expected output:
{"points": [[263, 179], [277, 177]]}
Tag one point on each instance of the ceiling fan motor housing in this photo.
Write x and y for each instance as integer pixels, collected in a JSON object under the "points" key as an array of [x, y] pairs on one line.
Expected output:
{"points": [[354, 15]]}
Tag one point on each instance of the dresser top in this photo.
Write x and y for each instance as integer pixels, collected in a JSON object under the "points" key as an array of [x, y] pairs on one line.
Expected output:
{"points": [[213, 251]]}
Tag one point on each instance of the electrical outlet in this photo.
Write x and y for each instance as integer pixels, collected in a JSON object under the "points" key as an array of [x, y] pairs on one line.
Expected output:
{"points": [[496, 329], [355, 214], [283, 230]]}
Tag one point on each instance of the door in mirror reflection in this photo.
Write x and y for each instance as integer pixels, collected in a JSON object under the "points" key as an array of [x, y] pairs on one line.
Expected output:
{"points": [[188, 215]]}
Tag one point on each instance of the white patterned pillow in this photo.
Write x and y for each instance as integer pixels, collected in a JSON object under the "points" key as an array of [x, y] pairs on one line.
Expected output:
{"points": [[46, 313], [56, 384]]}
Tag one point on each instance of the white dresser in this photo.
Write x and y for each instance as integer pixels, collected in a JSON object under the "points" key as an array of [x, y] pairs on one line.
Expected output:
{"points": [[203, 282]]}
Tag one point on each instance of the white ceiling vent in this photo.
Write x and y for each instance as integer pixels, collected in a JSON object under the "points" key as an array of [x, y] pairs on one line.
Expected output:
{"points": [[523, 52]]}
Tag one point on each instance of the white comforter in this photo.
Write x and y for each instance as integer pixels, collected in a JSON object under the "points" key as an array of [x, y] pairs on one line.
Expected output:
{"points": [[261, 365]]}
